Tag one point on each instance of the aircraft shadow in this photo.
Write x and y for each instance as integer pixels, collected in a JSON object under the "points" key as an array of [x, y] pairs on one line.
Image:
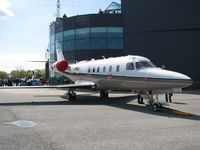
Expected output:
{"points": [[47, 96], [192, 92], [117, 102], [180, 103]]}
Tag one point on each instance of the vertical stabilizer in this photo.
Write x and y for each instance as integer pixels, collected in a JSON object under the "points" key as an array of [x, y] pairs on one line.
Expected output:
{"points": [[59, 52]]}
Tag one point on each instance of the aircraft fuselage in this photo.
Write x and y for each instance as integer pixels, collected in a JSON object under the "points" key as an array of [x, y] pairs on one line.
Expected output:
{"points": [[126, 73]]}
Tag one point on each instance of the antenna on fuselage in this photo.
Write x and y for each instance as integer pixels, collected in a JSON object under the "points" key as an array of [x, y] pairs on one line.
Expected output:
{"points": [[103, 57]]}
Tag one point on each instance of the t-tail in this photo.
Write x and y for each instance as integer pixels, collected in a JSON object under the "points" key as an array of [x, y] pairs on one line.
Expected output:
{"points": [[61, 64], [59, 52]]}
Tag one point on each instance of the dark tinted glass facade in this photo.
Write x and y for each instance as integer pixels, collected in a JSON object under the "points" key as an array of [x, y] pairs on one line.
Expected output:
{"points": [[89, 39], [88, 36], [167, 32]]}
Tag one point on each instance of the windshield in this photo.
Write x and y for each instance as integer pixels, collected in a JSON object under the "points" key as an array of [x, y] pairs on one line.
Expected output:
{"points": [[144, 64]]}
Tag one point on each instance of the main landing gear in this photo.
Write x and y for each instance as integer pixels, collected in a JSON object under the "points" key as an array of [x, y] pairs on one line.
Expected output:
{"points": [[103, 93], [152, 100], [70, 95]]}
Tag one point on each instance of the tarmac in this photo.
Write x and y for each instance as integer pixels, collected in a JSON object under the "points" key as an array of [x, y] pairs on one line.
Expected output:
{"points": [[41, 119]]}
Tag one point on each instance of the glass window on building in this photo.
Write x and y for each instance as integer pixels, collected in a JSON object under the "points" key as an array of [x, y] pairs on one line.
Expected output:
{"points": [[115, 32], [83, 33], [100, 43], [69, 35], [52, 39], [59, 36], [98, 32], [69, 45], [52, 49], [115, 43], [82, 44], [113, 8]]}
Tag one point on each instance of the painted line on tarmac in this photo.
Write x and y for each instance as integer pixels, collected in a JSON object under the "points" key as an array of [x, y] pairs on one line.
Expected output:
{"points": [[181, 113]]}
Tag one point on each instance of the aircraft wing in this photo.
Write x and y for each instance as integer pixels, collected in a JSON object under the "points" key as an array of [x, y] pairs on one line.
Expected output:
{"points": [[66, 86]]}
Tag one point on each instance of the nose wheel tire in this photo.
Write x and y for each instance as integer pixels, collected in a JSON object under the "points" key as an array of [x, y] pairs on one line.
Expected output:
{"points": [[156, 106]]}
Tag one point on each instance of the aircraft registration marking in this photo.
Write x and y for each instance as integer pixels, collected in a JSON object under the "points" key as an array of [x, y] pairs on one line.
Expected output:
{"points": [[109, 77], [146, 79]]}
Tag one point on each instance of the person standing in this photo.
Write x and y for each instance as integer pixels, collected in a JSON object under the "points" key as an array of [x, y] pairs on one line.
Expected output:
{"points": [[140, 99], [168, 97]]}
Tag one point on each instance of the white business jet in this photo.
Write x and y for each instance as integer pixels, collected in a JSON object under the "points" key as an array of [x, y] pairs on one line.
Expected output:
{"points": [[119, 73]]}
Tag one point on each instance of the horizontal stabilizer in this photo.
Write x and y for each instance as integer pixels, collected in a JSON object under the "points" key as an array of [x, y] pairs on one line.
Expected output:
{"points": [[42, 61]]}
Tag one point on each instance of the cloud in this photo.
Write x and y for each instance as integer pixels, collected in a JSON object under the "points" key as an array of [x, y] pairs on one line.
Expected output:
{"points": [[4, 9], [10, 61]]}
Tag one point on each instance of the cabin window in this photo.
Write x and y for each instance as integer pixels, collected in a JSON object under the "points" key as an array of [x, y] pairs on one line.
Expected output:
{"points": [[104, 69], [130, 66], [117, 68], [93, 69], [88, 69], [76, 69], [98, 69], [110, 69], [144, 64]]}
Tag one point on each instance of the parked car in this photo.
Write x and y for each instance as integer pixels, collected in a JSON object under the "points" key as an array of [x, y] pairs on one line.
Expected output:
{"points": [[36, 82]]}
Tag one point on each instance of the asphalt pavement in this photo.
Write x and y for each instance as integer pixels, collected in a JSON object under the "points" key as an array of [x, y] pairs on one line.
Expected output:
{"points": [[41, 119]]}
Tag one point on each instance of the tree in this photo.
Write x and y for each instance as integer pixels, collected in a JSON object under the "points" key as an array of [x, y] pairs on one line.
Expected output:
{"points": [[17, 74], [39, 73], [3, 75], [29, 74]]}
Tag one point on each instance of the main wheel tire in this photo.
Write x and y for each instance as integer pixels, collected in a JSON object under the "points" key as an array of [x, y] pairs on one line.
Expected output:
{"points": [[73, 96], [68, 96], [103, 94]]}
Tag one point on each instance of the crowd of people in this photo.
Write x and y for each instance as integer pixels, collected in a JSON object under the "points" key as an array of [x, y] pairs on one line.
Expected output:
{"points": [[9, 82], [22, 82]]}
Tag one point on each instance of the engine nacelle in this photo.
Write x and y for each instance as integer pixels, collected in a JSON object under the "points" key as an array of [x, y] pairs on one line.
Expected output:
{"points": [[60, 66]]}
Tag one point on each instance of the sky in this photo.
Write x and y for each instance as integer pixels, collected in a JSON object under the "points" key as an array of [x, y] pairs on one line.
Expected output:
{"points": [[24, 28]]}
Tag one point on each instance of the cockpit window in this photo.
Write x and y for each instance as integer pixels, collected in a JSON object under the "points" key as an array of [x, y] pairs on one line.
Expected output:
{"points": [[144, 64], [129, 66]]}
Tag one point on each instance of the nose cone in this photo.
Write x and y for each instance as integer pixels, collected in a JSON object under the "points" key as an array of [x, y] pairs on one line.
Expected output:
{"points": [[169, 79], [179, 78], [184, 80]]}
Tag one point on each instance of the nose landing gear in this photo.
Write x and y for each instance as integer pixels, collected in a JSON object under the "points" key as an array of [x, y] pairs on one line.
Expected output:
{"points": [[70, 95], [152, 101]]}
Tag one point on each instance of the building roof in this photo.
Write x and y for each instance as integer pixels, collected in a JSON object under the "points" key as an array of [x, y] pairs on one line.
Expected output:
{"points": [[113, 6]]}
